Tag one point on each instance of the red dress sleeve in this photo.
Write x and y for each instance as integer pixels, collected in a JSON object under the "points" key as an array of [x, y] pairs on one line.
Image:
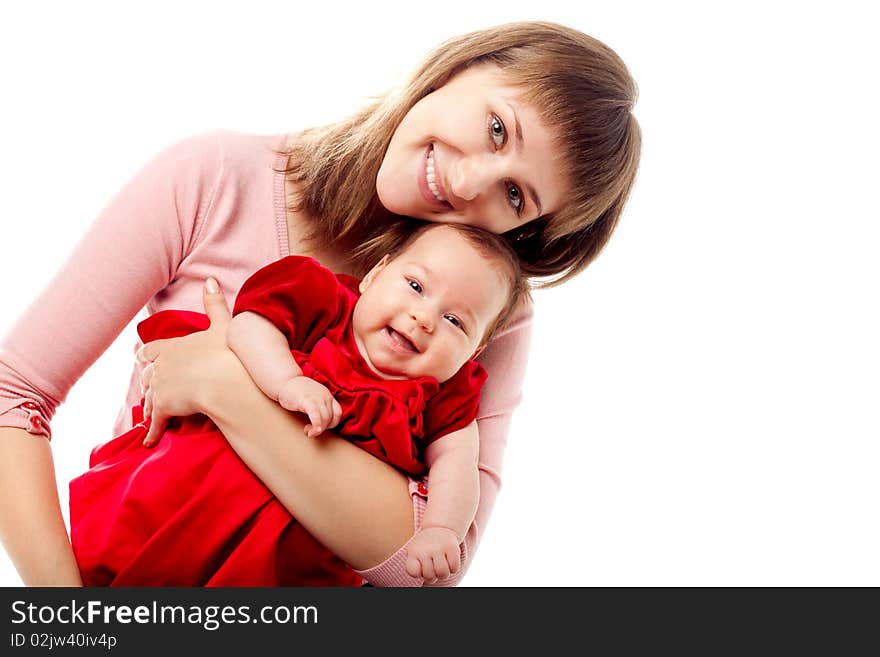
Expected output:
{"points": [[455, 405], [298, 295]]}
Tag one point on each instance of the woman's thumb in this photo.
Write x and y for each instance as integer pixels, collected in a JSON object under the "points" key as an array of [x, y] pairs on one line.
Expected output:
{"points": [[215, 303]]}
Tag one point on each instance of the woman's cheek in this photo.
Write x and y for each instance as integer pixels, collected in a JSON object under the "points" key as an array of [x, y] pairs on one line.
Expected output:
{"points": [[395, 193]]}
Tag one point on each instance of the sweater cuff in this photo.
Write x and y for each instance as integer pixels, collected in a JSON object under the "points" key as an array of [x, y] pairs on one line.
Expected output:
{"points": [[23, 413], [392, 571]]}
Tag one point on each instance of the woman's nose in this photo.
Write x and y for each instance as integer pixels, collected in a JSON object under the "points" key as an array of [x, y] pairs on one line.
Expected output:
{"points": [[472, 175]]}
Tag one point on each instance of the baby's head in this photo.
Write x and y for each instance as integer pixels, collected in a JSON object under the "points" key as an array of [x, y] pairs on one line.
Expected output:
{"points": [[434, 302]]}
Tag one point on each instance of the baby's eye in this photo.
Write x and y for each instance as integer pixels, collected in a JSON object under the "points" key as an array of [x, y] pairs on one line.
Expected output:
{"points": [[415, 285], [455, 321], [497, 131]]}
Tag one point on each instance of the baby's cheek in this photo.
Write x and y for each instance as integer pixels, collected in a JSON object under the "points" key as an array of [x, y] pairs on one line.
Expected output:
{"points": [[449, 363]]}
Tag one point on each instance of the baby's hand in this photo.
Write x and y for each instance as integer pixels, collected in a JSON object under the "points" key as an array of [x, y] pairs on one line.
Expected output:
{"points": [[433, 553], [307, 396]]}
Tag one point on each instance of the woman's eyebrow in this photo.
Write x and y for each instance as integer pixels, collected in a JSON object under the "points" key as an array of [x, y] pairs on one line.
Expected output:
{"points": [[520, 144]]}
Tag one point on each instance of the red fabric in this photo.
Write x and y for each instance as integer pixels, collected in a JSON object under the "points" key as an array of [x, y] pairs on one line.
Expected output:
{"points": [[189, 512], [312, 306]]}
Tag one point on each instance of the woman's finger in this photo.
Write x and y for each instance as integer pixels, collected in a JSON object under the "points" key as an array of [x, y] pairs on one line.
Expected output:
{"points": [[157, 424], [145, 376], [148, 403], [215, 304], [150, 351]]}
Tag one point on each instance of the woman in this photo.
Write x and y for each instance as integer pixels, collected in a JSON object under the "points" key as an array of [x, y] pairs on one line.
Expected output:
{"points": [[525, 130]]}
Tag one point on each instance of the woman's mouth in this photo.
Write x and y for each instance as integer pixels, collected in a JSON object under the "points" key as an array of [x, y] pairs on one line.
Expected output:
{"points": [[430, 184], [399, 342]]}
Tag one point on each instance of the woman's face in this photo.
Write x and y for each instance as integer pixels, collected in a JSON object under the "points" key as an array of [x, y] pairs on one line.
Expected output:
{"points": [[472, 152]]}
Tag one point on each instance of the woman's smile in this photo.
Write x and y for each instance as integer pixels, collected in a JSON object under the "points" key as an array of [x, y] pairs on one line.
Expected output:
{"points": [[429, 181]]}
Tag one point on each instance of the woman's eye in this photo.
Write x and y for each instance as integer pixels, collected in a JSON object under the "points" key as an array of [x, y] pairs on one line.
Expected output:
{"points": [[497, 132], [414, 285], [515, 197], [452, 319]]}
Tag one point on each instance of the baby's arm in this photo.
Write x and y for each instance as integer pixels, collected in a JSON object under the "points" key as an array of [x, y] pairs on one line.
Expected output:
{"points": [[454, 493], [265, 354]]}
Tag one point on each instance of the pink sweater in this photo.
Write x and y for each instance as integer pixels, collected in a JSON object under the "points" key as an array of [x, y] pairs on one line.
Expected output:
{"points": [[210, 205]]}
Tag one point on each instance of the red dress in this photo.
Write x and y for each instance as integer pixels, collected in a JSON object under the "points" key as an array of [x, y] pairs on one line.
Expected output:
{"points": [[189, 512]]}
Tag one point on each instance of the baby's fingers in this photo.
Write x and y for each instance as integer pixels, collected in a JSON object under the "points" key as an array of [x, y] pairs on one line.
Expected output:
{"points": [[318, 416], [453, 558], [428, 568], [336, 414], [441, 567], [324, 412], [413, 567]]}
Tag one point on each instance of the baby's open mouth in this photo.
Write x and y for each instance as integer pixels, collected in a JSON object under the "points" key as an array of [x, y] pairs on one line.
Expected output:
{"points": [[400, 340]]}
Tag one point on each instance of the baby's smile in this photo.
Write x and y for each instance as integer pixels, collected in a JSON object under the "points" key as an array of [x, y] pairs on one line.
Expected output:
{"points": [[400, 342]]}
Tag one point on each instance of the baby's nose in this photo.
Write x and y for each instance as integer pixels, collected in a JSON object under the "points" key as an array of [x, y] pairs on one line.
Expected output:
{"points": [[422, 319]]}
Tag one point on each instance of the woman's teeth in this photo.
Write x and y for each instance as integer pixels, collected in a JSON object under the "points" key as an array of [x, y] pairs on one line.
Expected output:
{"points": [[432, 185]]}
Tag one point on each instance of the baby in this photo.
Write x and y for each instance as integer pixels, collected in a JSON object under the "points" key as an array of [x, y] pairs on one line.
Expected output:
{"points": [[423, 314], [390, 369]]}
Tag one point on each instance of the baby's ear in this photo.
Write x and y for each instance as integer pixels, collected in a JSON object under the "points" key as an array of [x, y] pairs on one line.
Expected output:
{"points": [[367, 280]]}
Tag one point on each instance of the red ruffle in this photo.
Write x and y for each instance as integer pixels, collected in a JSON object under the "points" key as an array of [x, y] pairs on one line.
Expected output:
{"points": [[385, 418]]}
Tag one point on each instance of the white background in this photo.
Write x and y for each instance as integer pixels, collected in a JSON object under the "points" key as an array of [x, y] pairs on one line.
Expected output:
{"points": [[701, 405]]}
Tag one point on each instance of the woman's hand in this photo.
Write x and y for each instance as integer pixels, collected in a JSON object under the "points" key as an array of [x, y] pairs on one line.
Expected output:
{"points": [[179, 370]]}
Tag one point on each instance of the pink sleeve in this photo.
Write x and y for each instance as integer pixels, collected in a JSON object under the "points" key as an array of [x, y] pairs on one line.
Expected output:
{"points": [[131, 251], [505, 361]]}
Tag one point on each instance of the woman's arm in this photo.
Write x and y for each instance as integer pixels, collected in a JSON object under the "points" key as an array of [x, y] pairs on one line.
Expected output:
{"points": [[355, 504], [33, 529]]}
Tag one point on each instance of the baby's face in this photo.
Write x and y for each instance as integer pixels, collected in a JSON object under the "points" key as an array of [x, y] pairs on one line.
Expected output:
{"points": [[425, 312]]}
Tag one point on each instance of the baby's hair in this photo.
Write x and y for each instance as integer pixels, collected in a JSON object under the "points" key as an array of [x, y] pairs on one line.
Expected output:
{"points": [[491, 247]]}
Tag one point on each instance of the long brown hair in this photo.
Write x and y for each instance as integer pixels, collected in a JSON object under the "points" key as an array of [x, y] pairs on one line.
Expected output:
{"points": [[582, 91]]}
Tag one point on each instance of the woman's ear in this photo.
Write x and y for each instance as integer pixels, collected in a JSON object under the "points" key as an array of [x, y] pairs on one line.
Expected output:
{"points": [[367, 280]]}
